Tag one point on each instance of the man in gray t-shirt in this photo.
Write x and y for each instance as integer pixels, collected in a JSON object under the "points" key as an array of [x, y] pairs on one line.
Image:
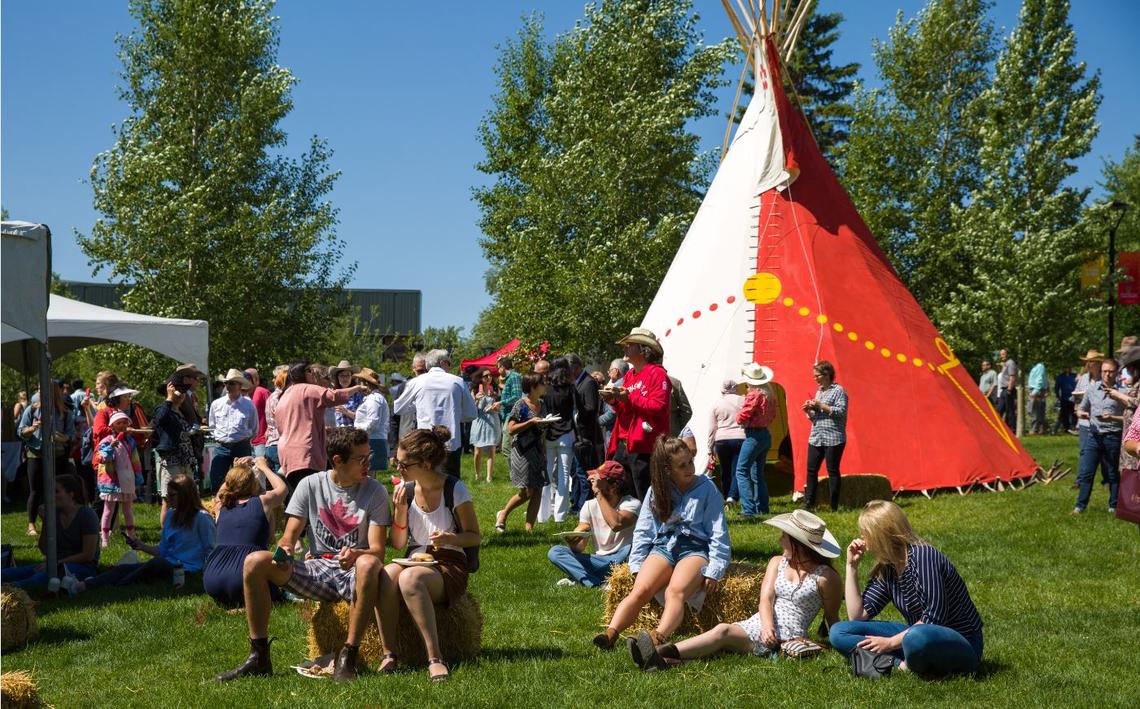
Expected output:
{"points": [[349, 515], [1007, 389]]}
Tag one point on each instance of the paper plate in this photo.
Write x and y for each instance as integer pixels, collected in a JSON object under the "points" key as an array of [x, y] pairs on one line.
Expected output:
{"points": [[409, 562], [572, 534]]}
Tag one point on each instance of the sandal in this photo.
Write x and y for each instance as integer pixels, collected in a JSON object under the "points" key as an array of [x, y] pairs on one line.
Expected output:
{"points": [[500, 523], [389, 669], [438, 678]]}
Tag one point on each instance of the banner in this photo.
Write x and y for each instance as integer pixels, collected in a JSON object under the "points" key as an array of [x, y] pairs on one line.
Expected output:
{"points": [[1092, 273], [1128, 289]]}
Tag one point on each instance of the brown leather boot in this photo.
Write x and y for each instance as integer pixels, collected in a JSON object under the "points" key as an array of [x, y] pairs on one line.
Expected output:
{"points": [[606, 640], [257, 664], [345, 668]]}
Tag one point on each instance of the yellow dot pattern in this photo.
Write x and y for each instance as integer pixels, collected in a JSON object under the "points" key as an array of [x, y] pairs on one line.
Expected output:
{"points": [[837, 327], [821, 319], [762, 288]]}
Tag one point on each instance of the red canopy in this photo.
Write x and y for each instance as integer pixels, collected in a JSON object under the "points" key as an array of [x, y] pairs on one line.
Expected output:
{"points": [[489, 361]]}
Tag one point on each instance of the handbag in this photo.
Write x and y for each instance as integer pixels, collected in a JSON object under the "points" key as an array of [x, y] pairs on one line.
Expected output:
{"points": [[871, 665], [800, 648], [1128, 498]]}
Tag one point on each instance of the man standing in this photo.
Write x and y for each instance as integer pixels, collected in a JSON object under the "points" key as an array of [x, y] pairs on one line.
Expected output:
{"points": [[234, 423], [439, 397], [588, 444], [1091, 375], [641, 406], [987, 382], [1007, 389], [258, 396], [1038, 383], [1063, 387], [1103, 406]]}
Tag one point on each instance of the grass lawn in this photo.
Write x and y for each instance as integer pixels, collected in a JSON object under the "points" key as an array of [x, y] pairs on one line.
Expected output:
{"points": [[1060, 597]]}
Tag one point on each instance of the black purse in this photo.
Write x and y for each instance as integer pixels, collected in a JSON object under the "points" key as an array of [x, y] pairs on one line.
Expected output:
{"points": [[871, 665]]}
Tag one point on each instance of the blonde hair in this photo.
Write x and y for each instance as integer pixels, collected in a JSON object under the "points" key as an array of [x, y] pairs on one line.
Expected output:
{"points": [[280, 374], [241, 483], [885, 528]]}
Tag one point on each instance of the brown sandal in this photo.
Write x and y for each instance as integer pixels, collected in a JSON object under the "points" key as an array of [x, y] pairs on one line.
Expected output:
{"points": [[389, 669], [442, 677]]}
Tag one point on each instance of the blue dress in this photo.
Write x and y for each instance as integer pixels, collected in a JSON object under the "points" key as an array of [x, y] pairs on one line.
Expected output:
{"points": [[242, 529]]}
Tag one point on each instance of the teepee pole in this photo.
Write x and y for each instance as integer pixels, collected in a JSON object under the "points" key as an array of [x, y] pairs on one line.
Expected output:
{"points": [[762, 18], [794, 29], [741, 34], [747, 18]]}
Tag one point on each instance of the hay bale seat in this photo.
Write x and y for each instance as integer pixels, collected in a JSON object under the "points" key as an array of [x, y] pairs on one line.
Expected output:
{"points": [[460, 633], [18, 612], [737, 598], [18, 690], [856, 490]]}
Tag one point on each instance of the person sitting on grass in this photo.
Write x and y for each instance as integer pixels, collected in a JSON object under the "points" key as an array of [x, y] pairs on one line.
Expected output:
{"points": [[797, 583], [77, 539], [943, 631], [245, 512], [348, 513], [187, 538], [608, 518], [433, 515], [680, 543]]}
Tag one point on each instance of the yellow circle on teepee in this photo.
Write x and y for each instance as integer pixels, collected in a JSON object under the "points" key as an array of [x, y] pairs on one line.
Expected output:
{"points": [[762, 288]]}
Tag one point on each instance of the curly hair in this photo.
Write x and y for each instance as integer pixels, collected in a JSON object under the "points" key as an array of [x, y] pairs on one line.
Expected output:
{"points": [[427, 445], [660, 467], [241, 483]]}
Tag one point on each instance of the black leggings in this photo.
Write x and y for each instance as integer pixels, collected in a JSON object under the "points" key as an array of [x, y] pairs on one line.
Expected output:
{"points": [[36, 482], [126, 574], [815, 457]]}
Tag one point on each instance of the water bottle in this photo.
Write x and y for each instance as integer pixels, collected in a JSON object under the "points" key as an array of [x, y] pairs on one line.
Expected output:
{"points": [[70, 584], [53, 587], [179, 576]]}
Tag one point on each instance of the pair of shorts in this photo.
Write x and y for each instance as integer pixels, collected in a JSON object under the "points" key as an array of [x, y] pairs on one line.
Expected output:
{"points": [[166, 471], [322, 580], [682, 547]]}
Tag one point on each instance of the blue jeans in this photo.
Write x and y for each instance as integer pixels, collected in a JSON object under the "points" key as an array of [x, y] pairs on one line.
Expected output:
{"points": [[750, 472], [579, 487], [727, 452], [379, 448], [223, 460], [1101, 449], [586, 569], [932, 650], [27, 576], [271, 455], [258, 450]]}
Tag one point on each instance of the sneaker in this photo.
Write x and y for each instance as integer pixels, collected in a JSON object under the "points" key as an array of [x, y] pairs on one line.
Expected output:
{"points": [[1076, 511], [565, 582], [730, 501]]}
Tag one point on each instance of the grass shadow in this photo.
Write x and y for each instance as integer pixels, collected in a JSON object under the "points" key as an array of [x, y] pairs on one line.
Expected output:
{"points": [[510, 654], [54, 635], [520, 539], [989, 668]]}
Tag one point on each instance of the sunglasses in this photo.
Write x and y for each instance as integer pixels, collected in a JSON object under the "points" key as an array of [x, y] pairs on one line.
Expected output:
{"points": [[402, 465]]}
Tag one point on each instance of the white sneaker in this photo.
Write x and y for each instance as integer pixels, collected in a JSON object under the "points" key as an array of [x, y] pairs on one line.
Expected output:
{"points": [[566, 582]]}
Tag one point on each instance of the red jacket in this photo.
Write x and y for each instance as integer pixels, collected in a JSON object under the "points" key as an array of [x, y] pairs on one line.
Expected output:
{"points": [[648, 403]]}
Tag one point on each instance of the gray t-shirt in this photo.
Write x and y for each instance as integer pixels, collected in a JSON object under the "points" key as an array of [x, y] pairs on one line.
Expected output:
{"points": [[1008, 369], [339, 517]]}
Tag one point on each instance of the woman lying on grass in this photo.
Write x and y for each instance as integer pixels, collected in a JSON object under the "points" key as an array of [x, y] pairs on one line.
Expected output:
{"points": [[796, 585], [680, 542], [943, 631]]}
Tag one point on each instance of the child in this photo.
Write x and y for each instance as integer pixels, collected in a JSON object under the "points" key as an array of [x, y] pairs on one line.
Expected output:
{"points": [[117, 460], [797, 583], [755, 415], [680, 543]]}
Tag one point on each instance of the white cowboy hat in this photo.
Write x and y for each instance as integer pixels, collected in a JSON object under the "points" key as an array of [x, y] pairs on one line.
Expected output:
{"points": [[756, 374], [805, 527], [642, 336], [122, 390], [236, 375], [344, 365]]}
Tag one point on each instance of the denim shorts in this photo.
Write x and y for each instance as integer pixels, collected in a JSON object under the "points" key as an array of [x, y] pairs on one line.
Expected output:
{"points": [[684, 546]]}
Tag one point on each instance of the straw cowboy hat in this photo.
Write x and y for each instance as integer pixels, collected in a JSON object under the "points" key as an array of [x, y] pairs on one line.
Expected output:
{"points": [[367, 375], [236, 375], [756, 374], [805, 527], [642, 336], [1126, 342], [189, 370], [1094, 355], [344, 364]]}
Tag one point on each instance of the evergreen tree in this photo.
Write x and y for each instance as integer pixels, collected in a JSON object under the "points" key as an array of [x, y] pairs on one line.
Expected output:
{"points": [[200, 209]]}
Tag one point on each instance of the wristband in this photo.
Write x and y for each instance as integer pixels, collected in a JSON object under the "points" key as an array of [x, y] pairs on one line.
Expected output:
{"points": [[396, 526]]}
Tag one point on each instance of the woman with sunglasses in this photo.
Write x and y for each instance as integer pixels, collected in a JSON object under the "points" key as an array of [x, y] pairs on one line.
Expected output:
{"points": [[486, 429]]}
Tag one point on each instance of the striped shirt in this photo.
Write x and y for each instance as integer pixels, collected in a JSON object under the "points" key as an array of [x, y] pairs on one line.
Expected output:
{"points": [[829, 429], [929, 590]]}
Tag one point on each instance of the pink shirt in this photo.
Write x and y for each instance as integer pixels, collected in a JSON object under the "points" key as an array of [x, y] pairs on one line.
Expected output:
{"points": [[301, 425], [722, 420], [259, 396]]}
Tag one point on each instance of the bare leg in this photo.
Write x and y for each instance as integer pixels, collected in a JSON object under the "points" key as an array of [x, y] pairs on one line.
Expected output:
{"points": [[516, 501], [421, 589], [534, 499], [725, 636], [685, 581], [490, 462], [388, 606], [367, 585], [257, 572], [162, 512], [478, 457], [654, 575]]}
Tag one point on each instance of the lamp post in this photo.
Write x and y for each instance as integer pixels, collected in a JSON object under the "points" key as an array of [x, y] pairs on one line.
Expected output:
{"points": [[1120, 208]]}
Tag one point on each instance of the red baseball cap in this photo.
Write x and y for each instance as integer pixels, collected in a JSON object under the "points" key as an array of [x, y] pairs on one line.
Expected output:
{"points": [[609, 470]]}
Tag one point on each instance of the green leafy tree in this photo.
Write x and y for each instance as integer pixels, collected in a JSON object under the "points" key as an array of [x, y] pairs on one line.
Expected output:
{"points": [[596, 177], [200, 207], [1022, 229], [1121, 184]]}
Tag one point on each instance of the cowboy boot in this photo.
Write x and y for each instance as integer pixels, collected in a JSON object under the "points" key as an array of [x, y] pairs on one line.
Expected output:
{"points": [[257, 664]]}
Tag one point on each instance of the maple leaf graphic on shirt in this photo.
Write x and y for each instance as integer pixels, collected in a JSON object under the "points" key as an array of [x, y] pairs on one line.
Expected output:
{"points": [[338, 520]]}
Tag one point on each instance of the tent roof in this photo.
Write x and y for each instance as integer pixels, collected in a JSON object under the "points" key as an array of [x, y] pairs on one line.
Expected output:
{"points": [[26, 267], [490, 361], [72, 324]]}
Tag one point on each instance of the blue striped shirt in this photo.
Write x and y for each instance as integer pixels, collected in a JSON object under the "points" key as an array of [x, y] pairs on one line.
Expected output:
{"points": [[929, 590]]}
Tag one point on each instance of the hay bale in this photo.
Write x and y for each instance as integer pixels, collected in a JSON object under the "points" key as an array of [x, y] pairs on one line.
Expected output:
{"points": [[19, 691], [736, 598], [856, 490], [460, 633], [18, 613]]}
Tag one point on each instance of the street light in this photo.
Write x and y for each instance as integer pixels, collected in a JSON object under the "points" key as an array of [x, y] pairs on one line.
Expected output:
{"points": [[1120, 208]]}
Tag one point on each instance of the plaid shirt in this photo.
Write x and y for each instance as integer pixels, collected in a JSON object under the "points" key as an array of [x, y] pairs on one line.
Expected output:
{"points": [[829, 429], [512, 392]]}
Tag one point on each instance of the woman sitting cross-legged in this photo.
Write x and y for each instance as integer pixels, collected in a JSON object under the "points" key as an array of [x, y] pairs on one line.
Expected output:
{"points": [[187, 538], [943, 631], [797, 583], [245, 512], [680, 542], [429, 523], [608, 518], [77, 538]]}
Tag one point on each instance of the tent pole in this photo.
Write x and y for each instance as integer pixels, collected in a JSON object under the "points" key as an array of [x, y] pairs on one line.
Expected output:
{"points": [[47, 453]]}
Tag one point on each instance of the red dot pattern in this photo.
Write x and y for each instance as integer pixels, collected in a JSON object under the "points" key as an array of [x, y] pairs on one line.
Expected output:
{"points": [[713, 307]]}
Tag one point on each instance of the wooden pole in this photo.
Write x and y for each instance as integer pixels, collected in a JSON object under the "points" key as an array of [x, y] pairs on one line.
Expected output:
{"points": [[747, 18], [740, 33], [799, 19]]}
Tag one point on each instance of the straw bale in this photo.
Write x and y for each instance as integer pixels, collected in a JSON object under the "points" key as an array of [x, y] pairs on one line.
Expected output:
{"points": [[737, 598], [856, 491], [18, 612], [18, 690], [460, 630]]}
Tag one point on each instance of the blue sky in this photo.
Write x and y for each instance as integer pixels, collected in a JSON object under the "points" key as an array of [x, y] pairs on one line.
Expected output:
{"points": [[398, 90]]}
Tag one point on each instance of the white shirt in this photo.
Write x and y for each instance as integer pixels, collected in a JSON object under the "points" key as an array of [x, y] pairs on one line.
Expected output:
{"points": [[372, 415], [437, 397], [233, 421], [421, 525], [606, 540]]}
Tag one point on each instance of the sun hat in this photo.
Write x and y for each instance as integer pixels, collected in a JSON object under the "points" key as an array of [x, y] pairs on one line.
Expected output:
{"points": [[609, 470], [189, 369], [344, 364], [119, 416], [122, 390], [236, 375], [367, 375], [642, 336], [1126, 342], [805, 527], [1094, 355], [1130, 356], [756, 374]]}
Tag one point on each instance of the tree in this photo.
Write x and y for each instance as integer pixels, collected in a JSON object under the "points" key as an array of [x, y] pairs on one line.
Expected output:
{"points": [[1121, 184], [1022, 227], [595, 175], [200, 208]]}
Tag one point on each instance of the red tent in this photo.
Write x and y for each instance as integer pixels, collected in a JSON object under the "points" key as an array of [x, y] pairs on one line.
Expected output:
{"points": [[779, 268], [489, 361]]}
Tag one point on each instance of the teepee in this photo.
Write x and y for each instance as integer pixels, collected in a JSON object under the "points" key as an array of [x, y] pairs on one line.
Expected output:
{"points": [[779, 268]]}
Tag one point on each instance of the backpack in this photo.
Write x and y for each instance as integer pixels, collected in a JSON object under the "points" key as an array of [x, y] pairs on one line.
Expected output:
{"points": [[448, 502]]}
